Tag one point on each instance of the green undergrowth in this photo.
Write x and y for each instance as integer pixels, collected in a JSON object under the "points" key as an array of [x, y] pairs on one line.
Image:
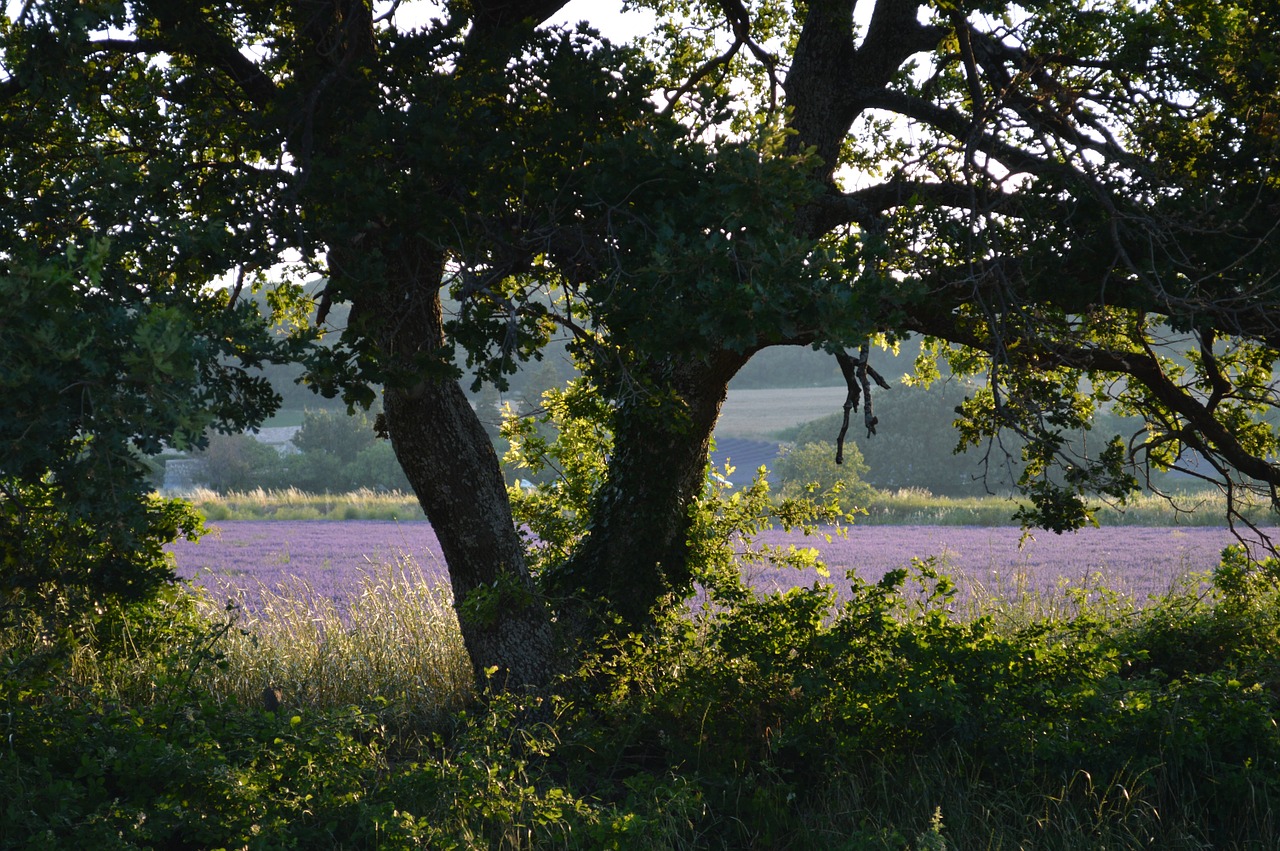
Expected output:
{"points": [[889, 722]]}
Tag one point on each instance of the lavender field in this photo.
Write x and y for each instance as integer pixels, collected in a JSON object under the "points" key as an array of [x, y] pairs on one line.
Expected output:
{"points": [[239, 558]]}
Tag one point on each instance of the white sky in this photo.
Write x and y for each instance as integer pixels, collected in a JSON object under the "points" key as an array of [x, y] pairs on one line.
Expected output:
{"points": [[605, 15]]}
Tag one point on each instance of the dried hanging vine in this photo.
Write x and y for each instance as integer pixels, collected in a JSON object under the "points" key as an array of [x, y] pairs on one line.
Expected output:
{"points": [[858, 375]]}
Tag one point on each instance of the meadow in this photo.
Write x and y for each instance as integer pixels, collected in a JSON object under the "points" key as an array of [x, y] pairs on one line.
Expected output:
{"points": [[943, 687]]}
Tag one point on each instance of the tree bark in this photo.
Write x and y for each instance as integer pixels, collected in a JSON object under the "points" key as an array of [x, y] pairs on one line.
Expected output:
{"points": [[451, 464], [449, 460], [636, 550], [393, 278]]}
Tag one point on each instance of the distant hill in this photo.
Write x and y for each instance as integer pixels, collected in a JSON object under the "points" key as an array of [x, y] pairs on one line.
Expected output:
{"points": [[761, 414]]}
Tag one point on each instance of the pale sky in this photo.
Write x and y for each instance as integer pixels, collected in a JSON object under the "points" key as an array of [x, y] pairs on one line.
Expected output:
{"points": [[605, 15]]}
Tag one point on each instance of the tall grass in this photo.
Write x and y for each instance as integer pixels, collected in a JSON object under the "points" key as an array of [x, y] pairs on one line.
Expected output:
{"points": [[907, 506], [293, 504], [1020, 722], [396, 646]]}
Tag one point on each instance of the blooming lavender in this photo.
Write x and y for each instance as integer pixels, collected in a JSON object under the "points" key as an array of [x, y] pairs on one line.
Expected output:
{"points": [[1136, 561], [238, 558]]}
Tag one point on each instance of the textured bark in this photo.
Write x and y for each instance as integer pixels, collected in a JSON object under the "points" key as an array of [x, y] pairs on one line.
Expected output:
{"points": [[450, 462], [392, 278], [820, 87], [636, 551], [448, 458]]}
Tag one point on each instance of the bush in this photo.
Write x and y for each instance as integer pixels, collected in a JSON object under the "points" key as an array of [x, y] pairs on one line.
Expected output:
{"points": [[377, 469], [775, 700], [337, 433], [60, 571], [804, 468], [337, 454], [239, 462], [755, 721]]}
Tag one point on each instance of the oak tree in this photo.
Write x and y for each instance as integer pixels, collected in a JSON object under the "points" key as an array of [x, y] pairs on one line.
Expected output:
{"points": [[1059, 196]]}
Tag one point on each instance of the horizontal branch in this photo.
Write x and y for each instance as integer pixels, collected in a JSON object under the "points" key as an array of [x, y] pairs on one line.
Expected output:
{"points": [[1037, 352], [215, 51], [866, 206]]}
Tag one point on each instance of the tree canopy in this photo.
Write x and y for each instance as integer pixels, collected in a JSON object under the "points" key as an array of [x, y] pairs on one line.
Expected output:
{"points": [[1075, 200]]}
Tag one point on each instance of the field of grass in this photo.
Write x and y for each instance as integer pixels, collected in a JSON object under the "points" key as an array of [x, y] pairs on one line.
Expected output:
{"points": [[906, 715], [761, 414], [890, 724], [918, 507], [903, 507]]}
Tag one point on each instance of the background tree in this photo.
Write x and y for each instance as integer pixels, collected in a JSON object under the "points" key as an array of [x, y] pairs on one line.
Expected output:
{"points": [[240, 463], [811, 467], [341, 452], [99, 371], [337, 453], [341, 436], [916, 448]]}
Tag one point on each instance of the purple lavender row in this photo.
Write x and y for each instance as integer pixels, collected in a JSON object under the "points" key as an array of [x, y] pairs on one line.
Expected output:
{"points": [[244, 556], [237, 559]]}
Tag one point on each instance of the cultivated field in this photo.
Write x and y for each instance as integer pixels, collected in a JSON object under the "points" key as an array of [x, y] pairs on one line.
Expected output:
{"points": [[239, 560], [761, 414]]}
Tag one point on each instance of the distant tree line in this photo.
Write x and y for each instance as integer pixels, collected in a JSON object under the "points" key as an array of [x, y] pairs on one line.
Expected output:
{"points": [[337, 453], [916, 445]]}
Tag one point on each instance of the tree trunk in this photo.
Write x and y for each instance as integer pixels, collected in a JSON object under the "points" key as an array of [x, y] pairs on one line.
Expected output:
{"points": [[636, 551], [451, 464], [392, 276]]}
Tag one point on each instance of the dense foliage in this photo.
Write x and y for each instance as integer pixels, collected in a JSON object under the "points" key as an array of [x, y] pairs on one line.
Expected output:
{"points": [[335, 452], [99, 370], [1071, 202], [760, 721]]}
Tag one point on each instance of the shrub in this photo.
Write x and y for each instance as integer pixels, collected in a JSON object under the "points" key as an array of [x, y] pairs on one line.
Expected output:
{"points": [[811, 467], [337, 433], [239, 462]]}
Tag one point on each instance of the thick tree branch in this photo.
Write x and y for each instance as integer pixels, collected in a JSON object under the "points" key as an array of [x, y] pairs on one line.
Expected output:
{"points": [[894, 35], [959, 126], [490, 18], [198, 40], [1039, 353], [865, 207], [819, 85], [831, 75]]}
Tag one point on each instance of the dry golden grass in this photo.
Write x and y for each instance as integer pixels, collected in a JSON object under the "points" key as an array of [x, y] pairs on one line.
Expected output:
{"points": [[293, 504], [398, 644]]}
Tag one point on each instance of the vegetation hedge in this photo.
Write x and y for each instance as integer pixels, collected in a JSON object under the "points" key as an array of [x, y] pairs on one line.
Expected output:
{"points": [[753, 721]]}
